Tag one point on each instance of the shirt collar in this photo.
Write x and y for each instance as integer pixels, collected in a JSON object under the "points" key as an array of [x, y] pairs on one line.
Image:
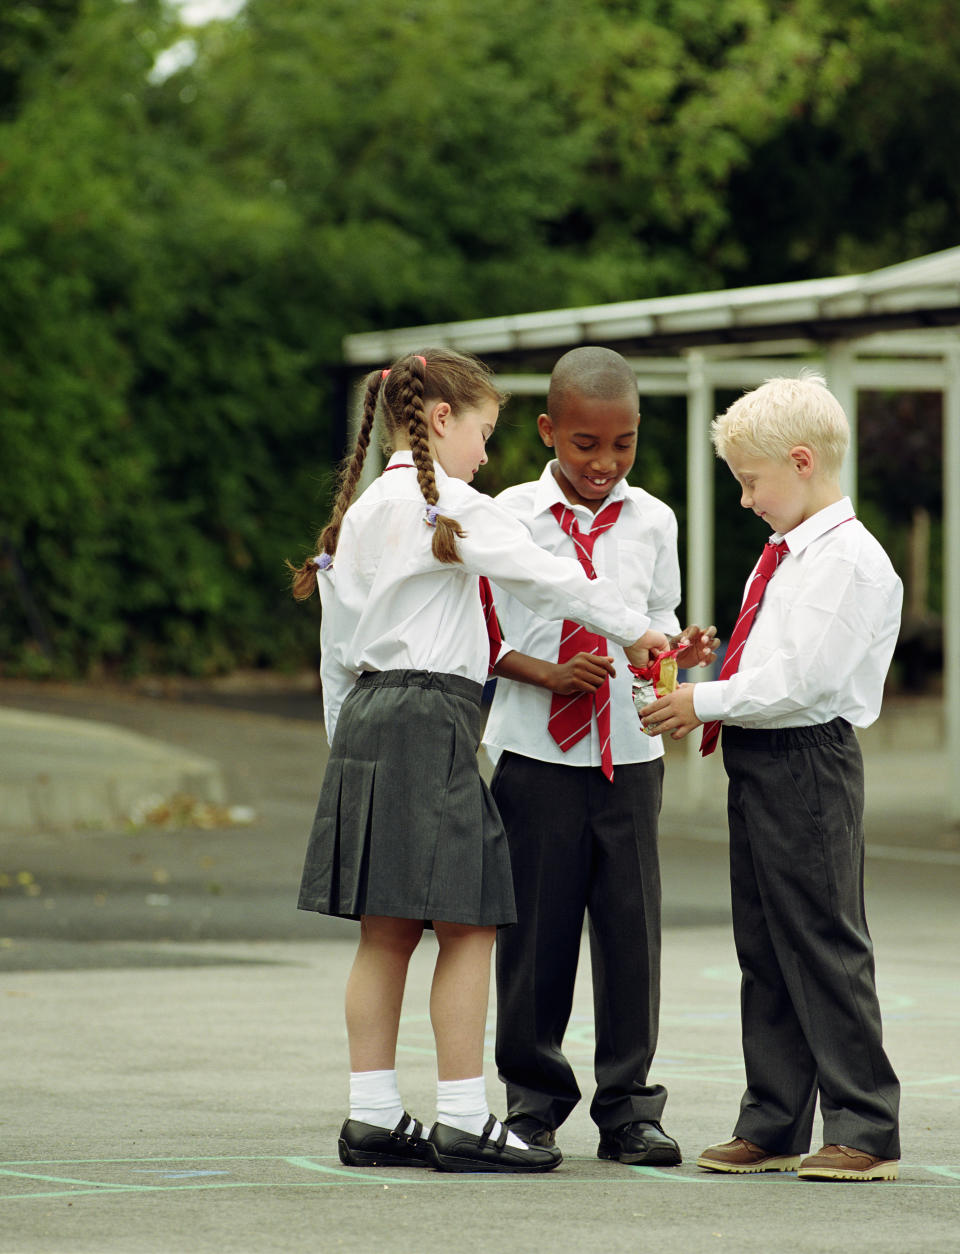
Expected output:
{"points": [[549, 493], [403, 457], [817, 525]]}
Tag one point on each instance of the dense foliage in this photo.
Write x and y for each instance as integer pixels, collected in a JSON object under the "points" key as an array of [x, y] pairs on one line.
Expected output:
{"points": [[181, 255]]}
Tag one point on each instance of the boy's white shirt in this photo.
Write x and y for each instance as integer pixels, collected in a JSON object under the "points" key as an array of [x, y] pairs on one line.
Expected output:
{"points": [[389, 605], [639, 555], [821, 644]]}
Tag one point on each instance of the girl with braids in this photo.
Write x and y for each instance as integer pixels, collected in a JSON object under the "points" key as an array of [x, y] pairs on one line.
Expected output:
{"points": [[406, 834]]}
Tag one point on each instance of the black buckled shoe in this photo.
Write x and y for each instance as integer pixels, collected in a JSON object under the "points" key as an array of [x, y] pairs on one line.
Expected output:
{"points": [[365, 1145], [643, 1142], [453, 1150]]}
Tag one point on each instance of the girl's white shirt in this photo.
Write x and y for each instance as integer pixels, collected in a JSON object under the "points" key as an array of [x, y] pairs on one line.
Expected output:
{"points": [[388, 604]]}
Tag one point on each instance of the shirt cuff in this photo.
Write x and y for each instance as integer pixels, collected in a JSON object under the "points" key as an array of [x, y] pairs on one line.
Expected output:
{"points": [[708, 700], [636, 625], [505, 648]]}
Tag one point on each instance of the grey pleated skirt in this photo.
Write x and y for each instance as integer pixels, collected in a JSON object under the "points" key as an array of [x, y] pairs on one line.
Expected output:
{"points": [[405, 826]]}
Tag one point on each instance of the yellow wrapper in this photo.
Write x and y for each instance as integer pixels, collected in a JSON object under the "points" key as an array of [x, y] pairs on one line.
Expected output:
{"points": [[668, 676], [645, 691]]}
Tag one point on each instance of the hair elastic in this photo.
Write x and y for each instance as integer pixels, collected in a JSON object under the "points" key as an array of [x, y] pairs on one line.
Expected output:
{"points": [[323, 562], [431, 518], [384, 373]]}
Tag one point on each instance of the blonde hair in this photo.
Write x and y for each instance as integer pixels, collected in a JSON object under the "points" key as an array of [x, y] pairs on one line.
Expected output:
{"points": [[782, 413], [400, 395]]}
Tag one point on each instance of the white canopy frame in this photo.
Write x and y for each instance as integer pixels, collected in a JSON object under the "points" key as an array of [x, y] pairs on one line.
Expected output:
{"points": [[896, 329], [901, 361]]}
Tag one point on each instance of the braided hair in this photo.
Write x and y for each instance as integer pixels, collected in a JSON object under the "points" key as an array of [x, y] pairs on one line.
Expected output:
{"points": [[401, 394], [447, 531]]}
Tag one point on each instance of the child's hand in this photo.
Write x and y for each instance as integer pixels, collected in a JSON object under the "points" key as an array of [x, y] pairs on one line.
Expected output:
{"points": [[638, 653], [584, 672], [702, 645], [672, 713]]}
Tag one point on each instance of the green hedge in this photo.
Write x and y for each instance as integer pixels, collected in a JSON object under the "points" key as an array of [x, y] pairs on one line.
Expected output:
{"points": [[181, 257]]}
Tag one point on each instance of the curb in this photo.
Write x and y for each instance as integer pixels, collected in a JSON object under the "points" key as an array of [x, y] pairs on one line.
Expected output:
{"points": [[58, 773]]}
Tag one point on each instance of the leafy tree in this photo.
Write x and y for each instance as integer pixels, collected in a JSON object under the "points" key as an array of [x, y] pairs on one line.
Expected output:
{"points": [[29, 32], [153, 416], [180, 258], [863, 171]]}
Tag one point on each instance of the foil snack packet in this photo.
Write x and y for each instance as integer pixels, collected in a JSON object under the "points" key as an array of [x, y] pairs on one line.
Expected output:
{"points": [[655, 680]]}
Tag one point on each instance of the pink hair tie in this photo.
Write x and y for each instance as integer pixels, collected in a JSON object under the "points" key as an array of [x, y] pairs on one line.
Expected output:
{"points": [[384, 373]]}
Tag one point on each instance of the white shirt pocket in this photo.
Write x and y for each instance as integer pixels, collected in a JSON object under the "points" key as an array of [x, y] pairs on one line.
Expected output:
{"points": [[636, 561]]}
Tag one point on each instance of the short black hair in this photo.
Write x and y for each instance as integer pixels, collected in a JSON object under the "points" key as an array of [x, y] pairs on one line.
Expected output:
{"points": [[593, 373]]}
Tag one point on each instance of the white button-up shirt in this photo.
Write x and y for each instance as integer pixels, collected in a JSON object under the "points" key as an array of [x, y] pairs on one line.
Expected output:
{"points": [[821, 644], [639, 555], [388, 604]]}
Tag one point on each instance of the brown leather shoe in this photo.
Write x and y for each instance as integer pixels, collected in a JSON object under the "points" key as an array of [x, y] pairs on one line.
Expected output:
{"points": [[840, 1162], [744, 1158]]}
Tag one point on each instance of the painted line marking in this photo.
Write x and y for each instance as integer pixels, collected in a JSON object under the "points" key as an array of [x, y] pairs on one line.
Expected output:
{"points": [[176, 1175], [33, 1175], [334, 1175], [363, 1175]]}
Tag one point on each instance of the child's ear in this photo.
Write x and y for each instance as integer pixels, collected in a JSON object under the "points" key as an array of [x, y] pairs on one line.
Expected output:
{"points": [[545, 427], [803, 461], [438, 418]]}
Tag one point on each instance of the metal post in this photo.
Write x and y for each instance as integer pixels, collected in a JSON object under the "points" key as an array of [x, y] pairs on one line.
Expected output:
{"points": [[700, 528], [700, 531], [951, 578], [839, 368]]}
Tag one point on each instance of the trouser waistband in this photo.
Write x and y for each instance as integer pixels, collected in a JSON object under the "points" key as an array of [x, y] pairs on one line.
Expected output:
{"points": [[455, 685], [772, 739]]}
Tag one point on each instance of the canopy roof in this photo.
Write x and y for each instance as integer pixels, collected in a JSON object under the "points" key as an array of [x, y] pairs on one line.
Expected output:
{"points": [[922, 293], [896, 328]]}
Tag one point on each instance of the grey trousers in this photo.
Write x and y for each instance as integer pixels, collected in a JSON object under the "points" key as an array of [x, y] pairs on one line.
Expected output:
{"points": [[810, 1015], [579, 844]]}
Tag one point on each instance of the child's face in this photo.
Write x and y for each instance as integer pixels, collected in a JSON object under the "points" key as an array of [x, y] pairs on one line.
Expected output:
{"points": [[779, 492], [595, 443], [459, 440]]}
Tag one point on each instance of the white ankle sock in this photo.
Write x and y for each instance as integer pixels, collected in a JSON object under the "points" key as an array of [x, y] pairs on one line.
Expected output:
{"points": [[375, 1099], [463, 1104]]}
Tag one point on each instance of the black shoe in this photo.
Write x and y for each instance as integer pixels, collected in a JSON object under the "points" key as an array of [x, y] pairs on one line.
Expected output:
{"points": [[641, 1142], [530, 1129], [453, 1150], [365, 1145]]}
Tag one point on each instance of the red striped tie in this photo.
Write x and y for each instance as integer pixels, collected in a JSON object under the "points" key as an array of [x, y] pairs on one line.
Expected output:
{"points": [[570, 717], [493, 626], [770, 559]]}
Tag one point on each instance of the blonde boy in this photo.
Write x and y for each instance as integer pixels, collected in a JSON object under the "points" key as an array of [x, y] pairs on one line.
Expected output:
{"points": [[802, 670]]}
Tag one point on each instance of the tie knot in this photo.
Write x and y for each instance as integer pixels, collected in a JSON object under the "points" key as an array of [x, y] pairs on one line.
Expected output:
{"points": [[771, 557], [602, 521]]}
